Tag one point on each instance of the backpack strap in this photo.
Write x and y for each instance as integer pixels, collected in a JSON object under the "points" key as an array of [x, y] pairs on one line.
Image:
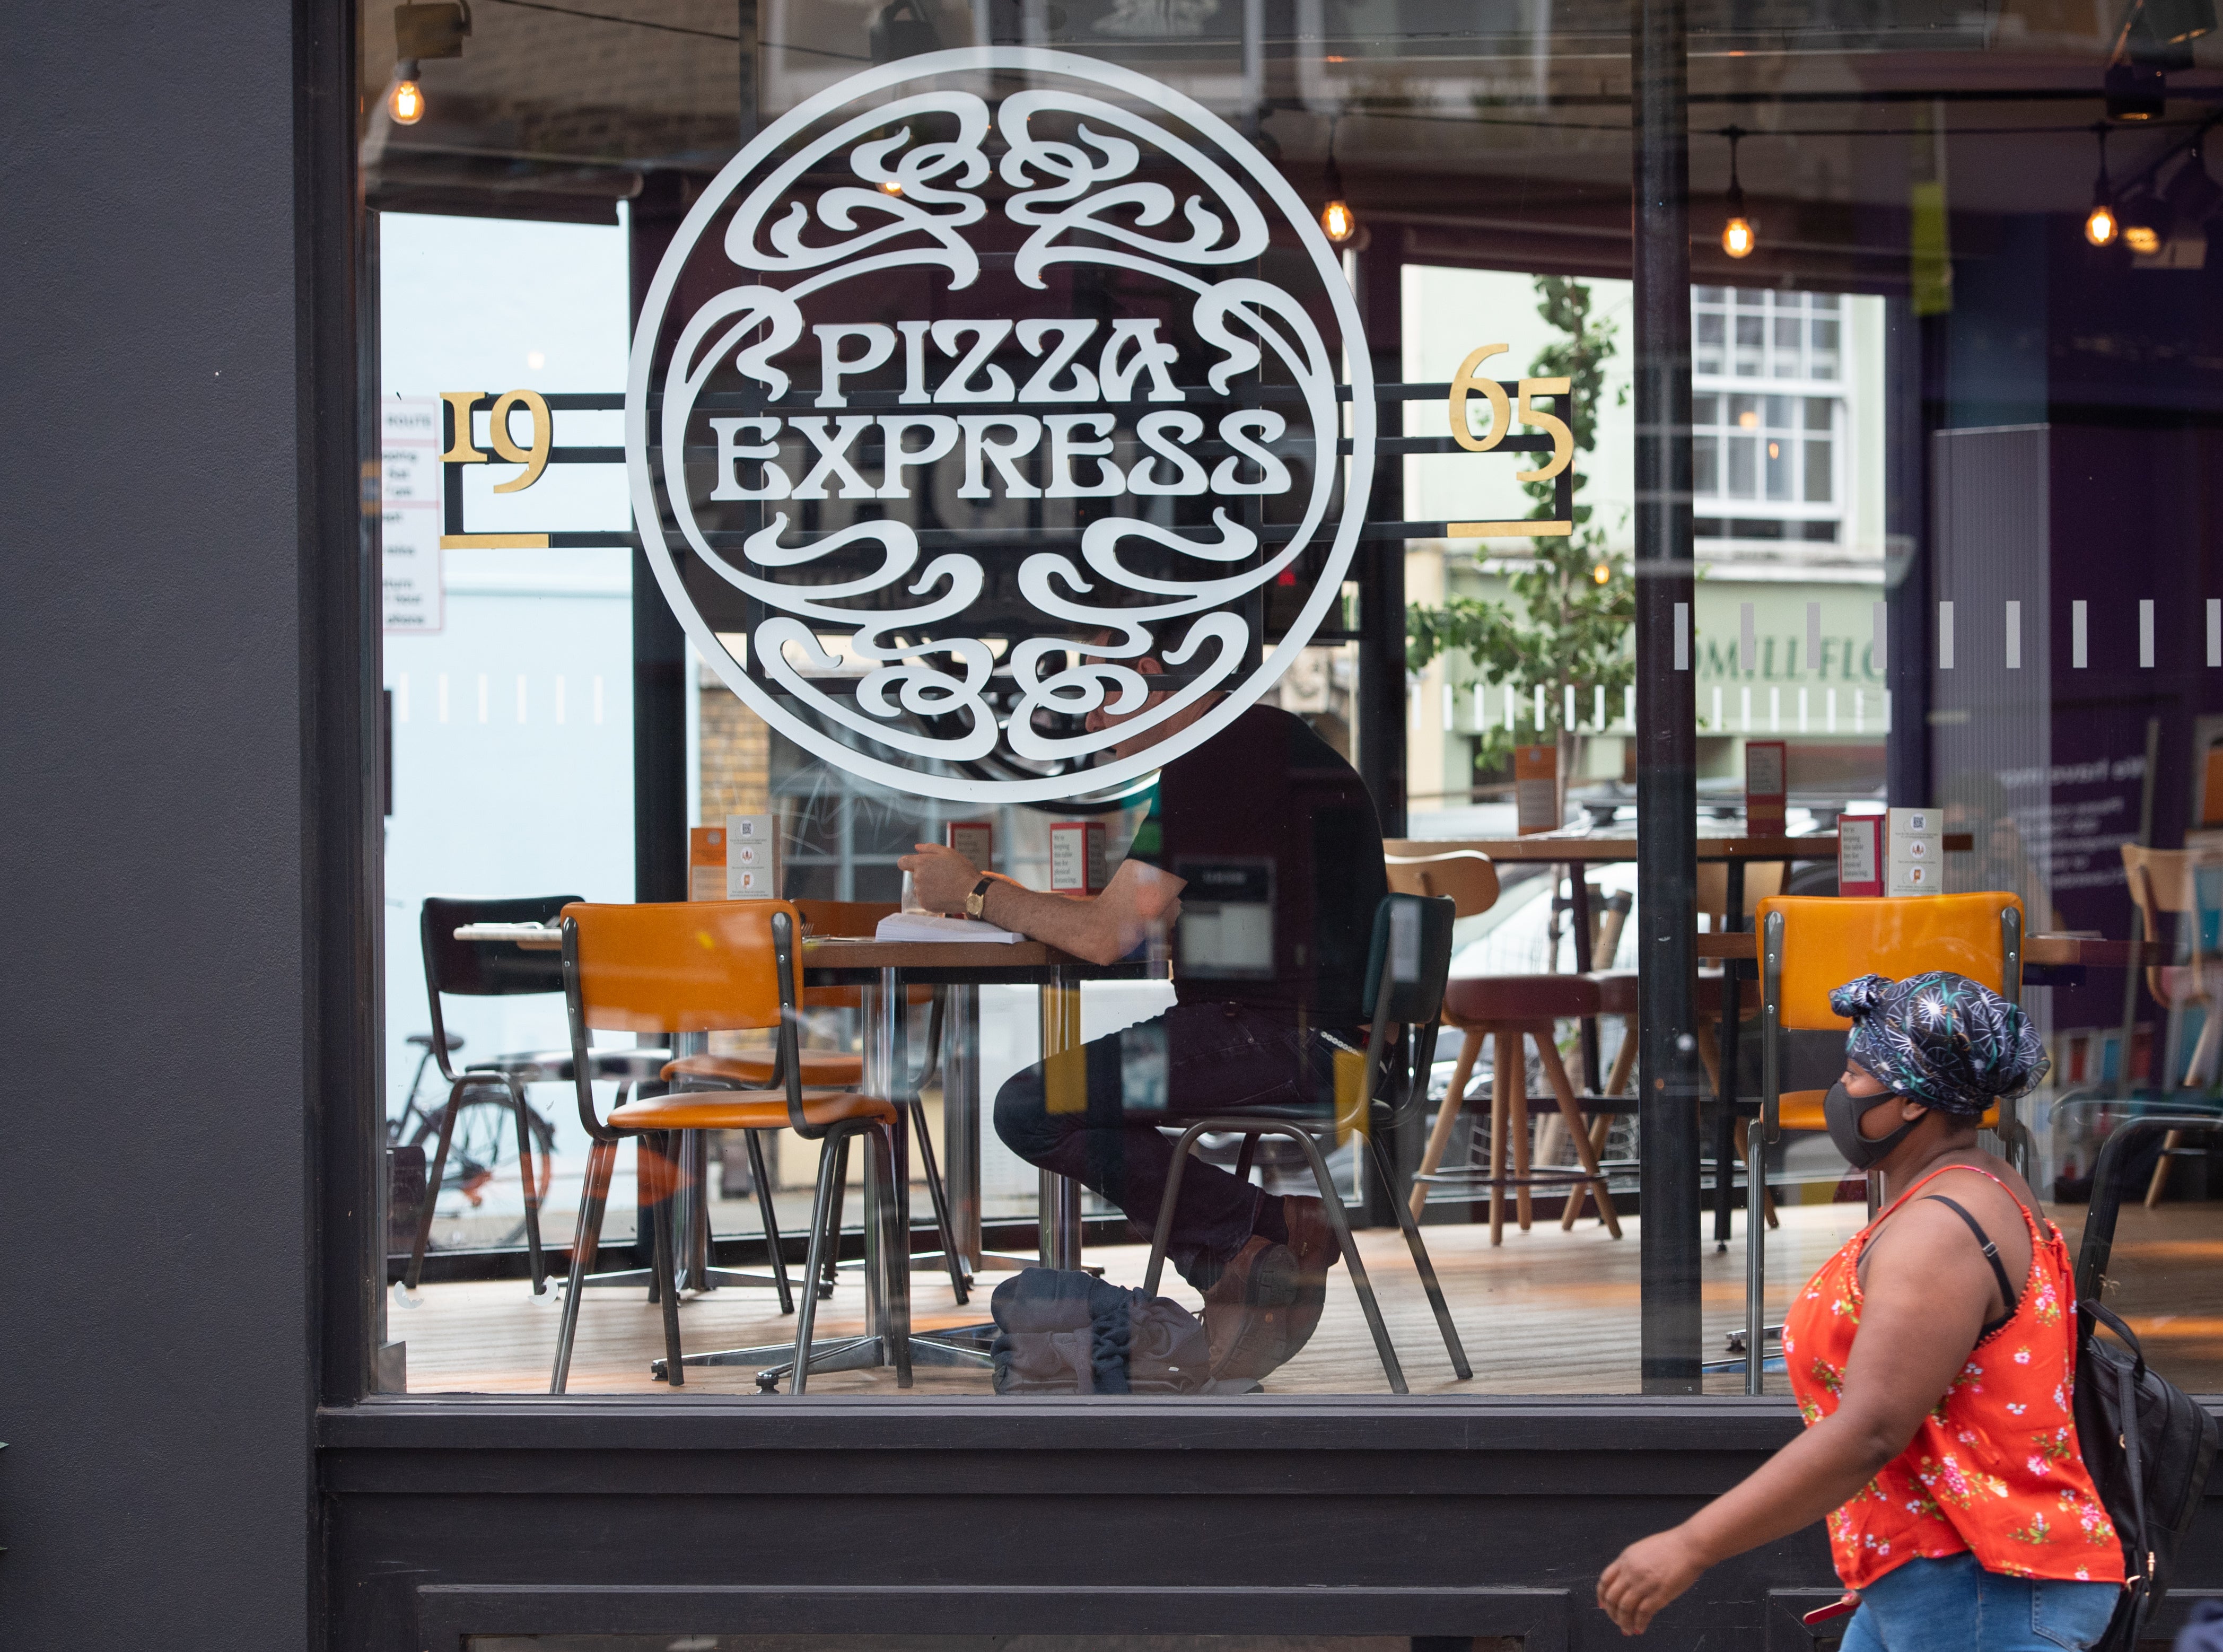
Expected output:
{"points": [[2128, 1379], [1991, 1255]]}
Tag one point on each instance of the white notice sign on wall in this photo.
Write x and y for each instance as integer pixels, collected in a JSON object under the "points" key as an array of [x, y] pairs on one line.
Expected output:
{"points": [[409, 488]]}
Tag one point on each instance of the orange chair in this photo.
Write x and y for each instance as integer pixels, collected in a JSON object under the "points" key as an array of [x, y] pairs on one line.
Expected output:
{"points": [[822, 1069], [711, 966], [844, 1069], [1809, 945]]}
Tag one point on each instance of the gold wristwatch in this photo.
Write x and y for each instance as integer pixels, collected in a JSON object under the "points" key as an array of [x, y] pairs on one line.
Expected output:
{"points": [[978, 898]]}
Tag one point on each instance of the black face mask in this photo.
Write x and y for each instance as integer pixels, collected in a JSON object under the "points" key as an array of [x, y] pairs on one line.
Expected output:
{"points": [[1842, 1113]]}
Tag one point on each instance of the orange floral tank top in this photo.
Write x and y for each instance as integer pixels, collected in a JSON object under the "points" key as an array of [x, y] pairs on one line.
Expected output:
{"points": [[1995, 1470]]}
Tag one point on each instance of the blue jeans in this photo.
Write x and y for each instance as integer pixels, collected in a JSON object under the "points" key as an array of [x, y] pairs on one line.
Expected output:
{"points": [[1955, 1605], [1094, 1113]]}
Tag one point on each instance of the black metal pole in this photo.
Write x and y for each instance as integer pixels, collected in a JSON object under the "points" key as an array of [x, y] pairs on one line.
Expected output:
{"points": [[1383, 700], [1383, 709], [1667, 709], [1913, 384]]}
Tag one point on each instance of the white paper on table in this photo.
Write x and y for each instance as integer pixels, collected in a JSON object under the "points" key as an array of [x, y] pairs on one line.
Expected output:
{"points": [[932, 926]]}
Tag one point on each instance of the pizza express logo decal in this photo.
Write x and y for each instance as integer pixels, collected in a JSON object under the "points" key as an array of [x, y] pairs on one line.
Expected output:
{"points": [[1025, 286]]}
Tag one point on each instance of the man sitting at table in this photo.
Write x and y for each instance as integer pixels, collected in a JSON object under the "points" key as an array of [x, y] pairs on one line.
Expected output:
{"points": [[1274, 840]]}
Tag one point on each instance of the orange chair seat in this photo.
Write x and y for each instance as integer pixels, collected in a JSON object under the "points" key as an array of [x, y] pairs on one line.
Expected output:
{"points": [[735, 1110], [1518, 998], [822, 1069]]}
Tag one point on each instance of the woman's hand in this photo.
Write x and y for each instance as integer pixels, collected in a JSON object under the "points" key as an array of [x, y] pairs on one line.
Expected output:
{"points": [[1647, 1575]]}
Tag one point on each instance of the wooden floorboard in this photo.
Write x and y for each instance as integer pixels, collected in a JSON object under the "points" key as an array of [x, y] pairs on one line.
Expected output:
{"points": [[1546, 1312]]}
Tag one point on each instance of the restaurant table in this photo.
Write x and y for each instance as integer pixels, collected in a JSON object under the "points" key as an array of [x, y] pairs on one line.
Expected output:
{"points": [[884, 971], [1578, 851]]}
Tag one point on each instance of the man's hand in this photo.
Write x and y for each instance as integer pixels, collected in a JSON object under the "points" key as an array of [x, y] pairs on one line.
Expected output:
{"points": [[940, 878], [1649, 1574]]}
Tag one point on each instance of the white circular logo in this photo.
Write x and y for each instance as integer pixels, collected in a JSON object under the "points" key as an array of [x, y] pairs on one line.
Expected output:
{"points": [[1002, 355]]}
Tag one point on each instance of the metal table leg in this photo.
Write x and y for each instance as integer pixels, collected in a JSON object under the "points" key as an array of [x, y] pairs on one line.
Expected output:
{"points": [[1058, 1215], [960, 1133], [1579, 910], [887, 1067], [1728, 1043]]}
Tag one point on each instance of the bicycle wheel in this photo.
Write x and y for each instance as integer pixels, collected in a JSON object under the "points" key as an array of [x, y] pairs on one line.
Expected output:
{"points": [[482, 1160]]}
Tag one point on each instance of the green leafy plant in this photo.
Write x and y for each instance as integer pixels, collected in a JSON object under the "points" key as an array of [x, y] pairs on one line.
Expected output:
{"points": [[1569, 623]]}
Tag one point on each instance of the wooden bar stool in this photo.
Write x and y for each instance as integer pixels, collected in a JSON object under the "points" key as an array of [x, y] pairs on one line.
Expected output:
{"points": [[1510, 1009], [1617, 996]]}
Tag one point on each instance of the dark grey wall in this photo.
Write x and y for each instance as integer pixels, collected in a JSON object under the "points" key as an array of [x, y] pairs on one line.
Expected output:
{"points": [[157, 1373]]}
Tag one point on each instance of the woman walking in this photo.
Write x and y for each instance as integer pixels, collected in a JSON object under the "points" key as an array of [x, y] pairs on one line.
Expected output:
{"points": [[1932, 1359]]}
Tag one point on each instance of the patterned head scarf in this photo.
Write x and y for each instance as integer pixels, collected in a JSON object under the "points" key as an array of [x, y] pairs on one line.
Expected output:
{"points": [[1940, 1039]]}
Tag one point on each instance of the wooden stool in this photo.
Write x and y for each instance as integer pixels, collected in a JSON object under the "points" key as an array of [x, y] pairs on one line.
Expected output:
{"points": [[1617, 996], [1512, 1008]]}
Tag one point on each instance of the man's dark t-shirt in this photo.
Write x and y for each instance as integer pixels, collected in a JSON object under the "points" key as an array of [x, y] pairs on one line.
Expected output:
{"points": [[1279, 845]]}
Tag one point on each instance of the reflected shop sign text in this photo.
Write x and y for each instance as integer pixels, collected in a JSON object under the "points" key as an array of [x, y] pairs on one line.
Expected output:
{"points": [[973, 379]]}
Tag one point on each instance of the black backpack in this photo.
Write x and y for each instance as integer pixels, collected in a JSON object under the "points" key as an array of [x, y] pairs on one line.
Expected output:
{"points": [[2147, 1445]]}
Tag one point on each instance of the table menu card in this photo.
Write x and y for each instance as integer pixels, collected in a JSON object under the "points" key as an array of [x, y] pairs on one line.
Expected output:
{"points": [[1536, 788], [1766, 766]]}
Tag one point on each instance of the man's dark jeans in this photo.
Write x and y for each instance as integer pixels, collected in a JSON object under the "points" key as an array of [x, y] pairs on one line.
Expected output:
{"points": [[1093, 1113]]}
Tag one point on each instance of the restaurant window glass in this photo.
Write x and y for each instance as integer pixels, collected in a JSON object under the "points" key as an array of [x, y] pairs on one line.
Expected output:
{"points": [[798, 425]]}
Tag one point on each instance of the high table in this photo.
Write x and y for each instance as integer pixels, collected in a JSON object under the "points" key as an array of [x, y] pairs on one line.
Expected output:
{"points": [[1577, 853], [884, 971]]}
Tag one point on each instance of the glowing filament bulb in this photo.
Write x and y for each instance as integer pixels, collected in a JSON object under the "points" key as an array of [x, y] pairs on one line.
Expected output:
{"points": [[1337, 222], [2100, 225], [1737, 238], [406, 102]]}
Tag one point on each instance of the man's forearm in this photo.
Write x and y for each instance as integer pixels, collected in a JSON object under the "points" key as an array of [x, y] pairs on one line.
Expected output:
{"points": [[1080, 927]]}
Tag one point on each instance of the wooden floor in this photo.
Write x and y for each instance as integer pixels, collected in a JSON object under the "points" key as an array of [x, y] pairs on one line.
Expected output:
{"points": [[1547, 1313]]}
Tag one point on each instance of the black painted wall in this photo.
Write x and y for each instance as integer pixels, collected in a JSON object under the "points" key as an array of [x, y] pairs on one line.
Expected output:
{"points": [[157, 957]]}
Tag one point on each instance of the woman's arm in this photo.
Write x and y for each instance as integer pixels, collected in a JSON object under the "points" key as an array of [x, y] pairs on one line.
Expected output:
{"points": [[1922, 1305]]}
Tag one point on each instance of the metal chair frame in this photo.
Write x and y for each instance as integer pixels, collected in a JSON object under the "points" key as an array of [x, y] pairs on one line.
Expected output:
{"points": [[885, 1178], [509, 1074], [1421, 1032]]}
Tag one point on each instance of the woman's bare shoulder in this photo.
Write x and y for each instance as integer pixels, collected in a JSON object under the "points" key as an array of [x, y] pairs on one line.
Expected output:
{"points": [[1984, 1182]]}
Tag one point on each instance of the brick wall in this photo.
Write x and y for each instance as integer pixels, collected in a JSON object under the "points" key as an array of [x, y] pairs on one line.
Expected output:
{"points": [[736, 756]]}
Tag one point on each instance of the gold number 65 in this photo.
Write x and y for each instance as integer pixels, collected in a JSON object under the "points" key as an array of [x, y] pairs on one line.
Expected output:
{"points": [[1502, 416]]}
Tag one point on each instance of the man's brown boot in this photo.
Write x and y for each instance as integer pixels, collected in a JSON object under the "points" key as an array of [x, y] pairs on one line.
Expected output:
{"points": [[1246, 1311], [1313, 1244]]}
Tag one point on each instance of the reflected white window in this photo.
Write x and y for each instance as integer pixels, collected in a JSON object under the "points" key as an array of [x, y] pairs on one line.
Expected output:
{"points": [[1765, 452]]}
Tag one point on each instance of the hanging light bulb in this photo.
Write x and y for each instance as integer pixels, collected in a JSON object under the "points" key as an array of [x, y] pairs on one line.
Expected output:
{"points": [[406, 102], [426, 29], [2100, 225], [1737, 237], [1602, 574], [890, 187], [1337, 221]]}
